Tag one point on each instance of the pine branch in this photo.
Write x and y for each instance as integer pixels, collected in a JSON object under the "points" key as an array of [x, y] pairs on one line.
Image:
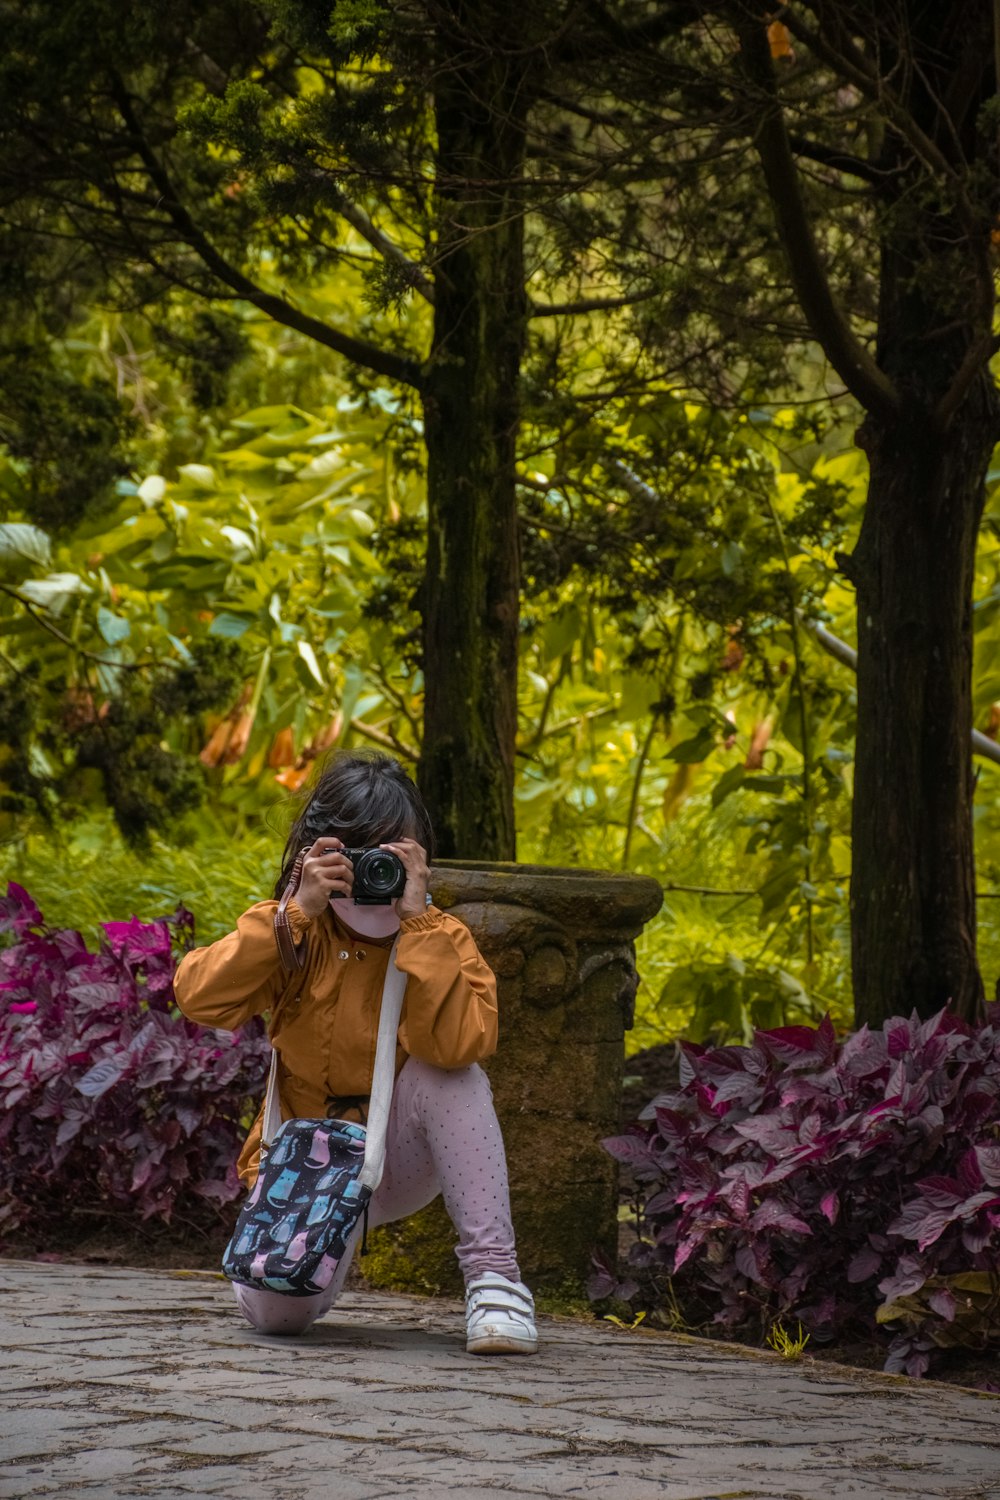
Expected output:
{"points": [[622, 38], [852, 361], [852, 65], [369, 356]]}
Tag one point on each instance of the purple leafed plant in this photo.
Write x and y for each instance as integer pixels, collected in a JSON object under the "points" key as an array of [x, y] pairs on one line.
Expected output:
{"points": [[809, 1179], [109, 1099]]}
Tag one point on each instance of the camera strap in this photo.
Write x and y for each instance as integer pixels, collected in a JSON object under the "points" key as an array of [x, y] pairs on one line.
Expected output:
{"points": [[292, 957]]}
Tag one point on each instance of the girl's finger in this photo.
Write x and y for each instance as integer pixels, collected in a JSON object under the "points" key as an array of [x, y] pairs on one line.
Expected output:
{"points": [[329, 859], [408, 851]]}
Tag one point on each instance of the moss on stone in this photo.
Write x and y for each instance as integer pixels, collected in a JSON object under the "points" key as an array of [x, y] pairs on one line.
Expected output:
{"points": [[414, 1255]]}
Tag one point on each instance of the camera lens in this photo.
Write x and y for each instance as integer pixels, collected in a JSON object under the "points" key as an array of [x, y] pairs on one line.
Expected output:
{"points": [[378, 876], [381, 871]]}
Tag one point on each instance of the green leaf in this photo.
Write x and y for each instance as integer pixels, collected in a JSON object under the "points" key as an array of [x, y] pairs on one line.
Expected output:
{"points": [[318, 468], [152, 490], [761, 781], [52, 592], [560, 633], [263, 416], [308, 655], [776, 891], [729, 782], [200, 475], [113, 628], [698, 748], [354, 681], [229, 625], [732, 556], [40, 763], [18, 539], [241, 540], [181, 649], [362, 521]]}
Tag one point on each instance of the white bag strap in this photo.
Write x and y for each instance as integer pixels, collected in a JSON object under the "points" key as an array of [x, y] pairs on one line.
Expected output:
{"points": [[384, 1073], [272, 1109], [383, 1079]]}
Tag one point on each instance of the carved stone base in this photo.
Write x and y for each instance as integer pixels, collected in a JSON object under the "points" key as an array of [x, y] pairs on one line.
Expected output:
{"points": [[561, 943]]}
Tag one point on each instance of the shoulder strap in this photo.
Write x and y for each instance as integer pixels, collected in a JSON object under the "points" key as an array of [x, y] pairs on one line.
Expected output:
{"points": [[383, 1079], [272, 1109], [384, 1075], [292, 957]]}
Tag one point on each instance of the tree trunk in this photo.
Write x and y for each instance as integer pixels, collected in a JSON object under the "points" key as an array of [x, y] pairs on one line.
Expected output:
{"points": [[913, 883], [472, 586], [913, 898]]}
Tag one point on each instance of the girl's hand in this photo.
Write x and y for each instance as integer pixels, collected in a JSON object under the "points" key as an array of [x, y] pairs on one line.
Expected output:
{"points": [[325, 873], [413, 901]]}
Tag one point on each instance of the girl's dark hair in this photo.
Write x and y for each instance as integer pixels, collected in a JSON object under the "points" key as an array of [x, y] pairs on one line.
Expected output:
{"points": [[363, 798]]}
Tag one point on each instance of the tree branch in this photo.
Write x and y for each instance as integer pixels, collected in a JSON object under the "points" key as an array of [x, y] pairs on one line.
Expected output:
{"points": [[978, 355], [852, 361], [631, 483], [855, 67], [840, 651], [624, 38], [39, 619], [379, 737], [840, 161], [387, 248], [585, 305], [369, 356]]}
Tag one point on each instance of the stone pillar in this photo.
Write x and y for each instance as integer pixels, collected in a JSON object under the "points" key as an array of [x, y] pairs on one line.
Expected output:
{"points": [[561, 943]]}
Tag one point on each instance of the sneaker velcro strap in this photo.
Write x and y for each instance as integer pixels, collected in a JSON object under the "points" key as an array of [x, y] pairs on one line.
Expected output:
{"points": [[503, 1298]]}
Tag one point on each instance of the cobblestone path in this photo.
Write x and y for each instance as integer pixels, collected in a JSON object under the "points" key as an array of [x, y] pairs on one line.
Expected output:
{"points": [[127, 1384]]}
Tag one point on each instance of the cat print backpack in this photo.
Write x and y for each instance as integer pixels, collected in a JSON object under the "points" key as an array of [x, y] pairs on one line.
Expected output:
{"points": [[316, 1178]]}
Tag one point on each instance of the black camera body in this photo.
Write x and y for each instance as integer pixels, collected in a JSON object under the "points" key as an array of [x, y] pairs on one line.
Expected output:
{"points": [[379, 876]]}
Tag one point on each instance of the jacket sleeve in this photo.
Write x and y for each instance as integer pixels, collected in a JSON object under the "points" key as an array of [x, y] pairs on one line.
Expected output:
{"points": [[450, 1010], [239, 976]]}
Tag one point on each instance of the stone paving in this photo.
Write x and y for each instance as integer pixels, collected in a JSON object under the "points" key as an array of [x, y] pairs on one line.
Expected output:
{"points": [[129, 1384]]}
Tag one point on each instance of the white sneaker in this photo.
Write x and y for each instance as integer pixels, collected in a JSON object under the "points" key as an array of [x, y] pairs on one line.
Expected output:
{"points": [[499, 1317]]}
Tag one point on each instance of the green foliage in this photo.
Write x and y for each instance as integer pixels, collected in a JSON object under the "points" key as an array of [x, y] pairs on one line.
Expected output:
{"points": [[234, 588], [86, 874], [251, 601], [788, 1345], [64, 437], [251, 596]]}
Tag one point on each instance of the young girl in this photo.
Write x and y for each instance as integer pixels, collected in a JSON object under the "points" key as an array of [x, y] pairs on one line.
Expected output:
{"points": [[443, 1134]]}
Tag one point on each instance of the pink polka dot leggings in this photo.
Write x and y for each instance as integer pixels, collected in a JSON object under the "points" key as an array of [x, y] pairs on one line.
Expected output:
{"points": [[444, 1137]]}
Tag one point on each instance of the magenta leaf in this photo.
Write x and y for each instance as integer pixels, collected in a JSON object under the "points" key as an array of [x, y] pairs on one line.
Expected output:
{"points": [[108, 1098], [863, 1263], [18, 913], [942, 1301], [138, 941], [104, 1075], [815, 1179]]}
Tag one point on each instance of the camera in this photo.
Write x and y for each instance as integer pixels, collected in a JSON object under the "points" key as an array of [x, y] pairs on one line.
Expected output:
{"points": [[379, 876]]}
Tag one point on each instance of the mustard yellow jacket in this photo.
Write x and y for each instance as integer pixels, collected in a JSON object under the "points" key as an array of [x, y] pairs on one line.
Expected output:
{"points": [[324, 1018]]}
